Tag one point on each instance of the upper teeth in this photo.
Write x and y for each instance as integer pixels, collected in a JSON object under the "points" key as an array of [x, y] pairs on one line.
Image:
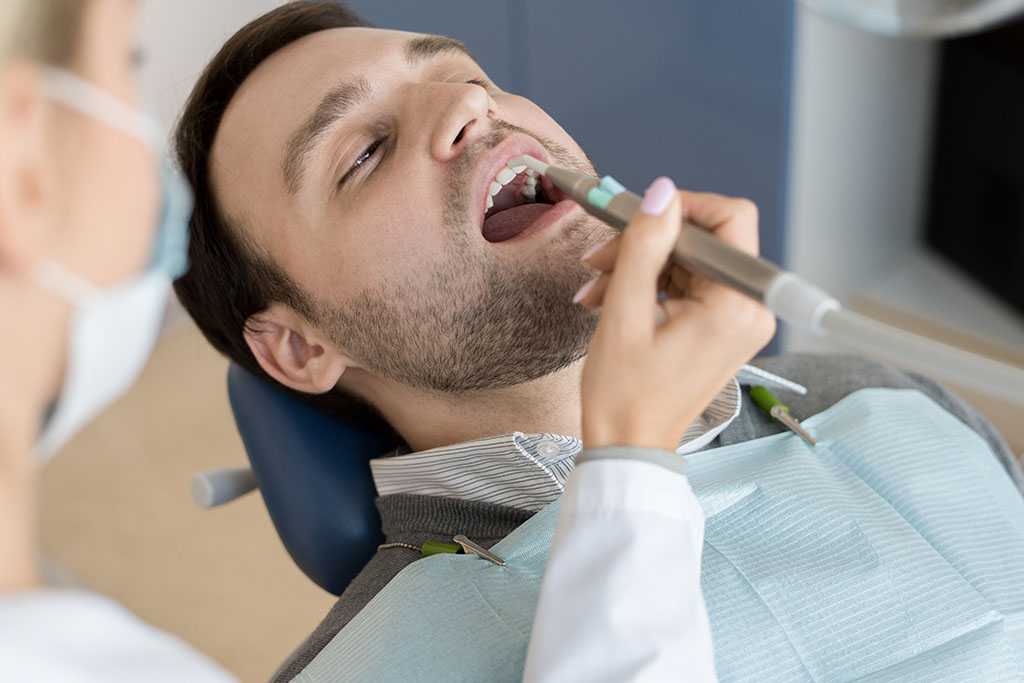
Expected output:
{"points": [[505, 176]]}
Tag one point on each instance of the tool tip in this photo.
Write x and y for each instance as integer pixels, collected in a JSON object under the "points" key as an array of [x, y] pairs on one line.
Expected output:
{"points": [[527, 160]]}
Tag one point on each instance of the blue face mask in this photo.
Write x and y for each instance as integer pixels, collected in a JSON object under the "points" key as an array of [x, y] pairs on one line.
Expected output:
{"points": [[113, 329]]}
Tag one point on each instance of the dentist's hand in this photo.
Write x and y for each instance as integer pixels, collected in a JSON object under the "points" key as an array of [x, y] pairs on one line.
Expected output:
{"points": [[653, 367]]}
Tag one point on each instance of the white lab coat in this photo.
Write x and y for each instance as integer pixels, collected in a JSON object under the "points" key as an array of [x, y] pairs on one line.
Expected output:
{"points": [[621, 600], [74, 636]]}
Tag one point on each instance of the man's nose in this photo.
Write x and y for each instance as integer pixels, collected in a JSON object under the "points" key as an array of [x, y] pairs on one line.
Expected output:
{"points": [[459, 116]]}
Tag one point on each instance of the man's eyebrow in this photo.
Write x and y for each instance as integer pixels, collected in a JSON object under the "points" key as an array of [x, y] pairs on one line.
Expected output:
{"points": [[338, 101], [344, 97], [425, 47]]}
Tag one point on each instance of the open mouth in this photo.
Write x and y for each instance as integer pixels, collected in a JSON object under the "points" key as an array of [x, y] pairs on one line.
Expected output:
{"points": [[516, 199]]}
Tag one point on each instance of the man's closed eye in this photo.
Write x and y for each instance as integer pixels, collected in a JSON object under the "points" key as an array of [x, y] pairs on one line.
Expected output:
{"points": [[361, 159]]}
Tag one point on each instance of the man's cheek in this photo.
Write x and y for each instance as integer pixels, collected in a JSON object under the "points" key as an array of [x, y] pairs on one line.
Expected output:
{"points": [[531, 116], [404, 242]]}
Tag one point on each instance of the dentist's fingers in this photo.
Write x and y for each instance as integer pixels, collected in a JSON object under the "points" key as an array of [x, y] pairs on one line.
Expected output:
{"points": [[591, 294], [653, 366], [603, 256], [645, 248], [730, 218], [678, 281], [674, 281], [733, 221]]}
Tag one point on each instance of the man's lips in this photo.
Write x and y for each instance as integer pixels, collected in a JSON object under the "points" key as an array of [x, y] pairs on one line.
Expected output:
{"points": [[513, 213], [496, 159]]}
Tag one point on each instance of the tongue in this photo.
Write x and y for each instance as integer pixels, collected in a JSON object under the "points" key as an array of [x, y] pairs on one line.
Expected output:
{"points": [[510, 222]]}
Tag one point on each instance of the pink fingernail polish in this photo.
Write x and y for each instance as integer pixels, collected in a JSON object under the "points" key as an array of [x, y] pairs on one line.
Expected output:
{"points": [[658, 196], [584, 290], [593, 250]]}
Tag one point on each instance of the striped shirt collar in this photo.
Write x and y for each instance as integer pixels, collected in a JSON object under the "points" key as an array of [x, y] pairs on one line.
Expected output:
{"points": [[529, 471]]}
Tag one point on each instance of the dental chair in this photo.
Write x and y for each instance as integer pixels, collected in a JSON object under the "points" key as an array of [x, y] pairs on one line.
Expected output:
{"points": [[313, 473]]}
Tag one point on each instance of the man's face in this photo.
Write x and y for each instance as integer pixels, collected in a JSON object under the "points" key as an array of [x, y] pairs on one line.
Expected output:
{"points": [[359, 161]]}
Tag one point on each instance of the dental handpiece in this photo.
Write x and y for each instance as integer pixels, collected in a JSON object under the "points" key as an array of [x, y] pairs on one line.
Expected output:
{"points": [[792, 298], [789, 296]]}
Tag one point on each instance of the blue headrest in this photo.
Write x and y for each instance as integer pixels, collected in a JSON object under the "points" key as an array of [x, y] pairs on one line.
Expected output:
{"points": [[313, 472]]}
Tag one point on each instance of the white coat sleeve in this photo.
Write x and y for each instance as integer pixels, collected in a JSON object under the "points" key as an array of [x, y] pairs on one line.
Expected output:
{"points": [[75, 636], [621, 597]]}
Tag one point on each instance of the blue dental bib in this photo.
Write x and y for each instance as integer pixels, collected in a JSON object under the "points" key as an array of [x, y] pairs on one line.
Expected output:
{"points": [[892, 552]]}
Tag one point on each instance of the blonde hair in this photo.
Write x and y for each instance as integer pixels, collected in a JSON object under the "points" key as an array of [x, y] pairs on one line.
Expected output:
{"points": [[40, 30]]}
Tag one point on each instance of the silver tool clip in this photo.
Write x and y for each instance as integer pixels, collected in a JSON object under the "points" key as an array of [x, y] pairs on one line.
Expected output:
{"points": [[780, 414], [471, 548]]}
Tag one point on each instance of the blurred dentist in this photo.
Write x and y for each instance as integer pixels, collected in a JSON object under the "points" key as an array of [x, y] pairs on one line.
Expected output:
{"points": [[88, 248]]}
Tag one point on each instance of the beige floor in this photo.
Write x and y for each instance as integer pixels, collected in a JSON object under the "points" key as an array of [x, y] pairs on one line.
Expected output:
{"points": [[117, 513]]}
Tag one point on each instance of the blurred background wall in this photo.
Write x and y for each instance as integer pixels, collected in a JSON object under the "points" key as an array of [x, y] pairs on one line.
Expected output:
{"points": [[864, 193], [828, 128]]}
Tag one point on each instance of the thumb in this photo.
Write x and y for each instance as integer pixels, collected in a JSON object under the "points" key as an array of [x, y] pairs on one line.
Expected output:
{"points": [[644, 248]]}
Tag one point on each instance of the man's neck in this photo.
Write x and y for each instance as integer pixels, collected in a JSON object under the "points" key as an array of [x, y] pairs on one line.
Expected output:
{"points": [[425, 420]]}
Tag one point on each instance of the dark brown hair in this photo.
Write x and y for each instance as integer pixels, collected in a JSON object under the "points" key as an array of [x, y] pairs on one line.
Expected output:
{"points": [[228, 280]]}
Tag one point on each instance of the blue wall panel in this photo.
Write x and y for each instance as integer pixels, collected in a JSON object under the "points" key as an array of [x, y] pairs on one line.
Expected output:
{"points": [[694, 89]]}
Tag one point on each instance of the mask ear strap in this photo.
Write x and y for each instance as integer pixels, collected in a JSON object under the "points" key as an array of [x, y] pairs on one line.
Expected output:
{"points": [[170, 245], [79, 95], [61, 282]]}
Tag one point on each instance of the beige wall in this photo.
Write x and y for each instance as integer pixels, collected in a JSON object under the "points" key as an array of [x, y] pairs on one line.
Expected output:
{"points": [[178, 38]]}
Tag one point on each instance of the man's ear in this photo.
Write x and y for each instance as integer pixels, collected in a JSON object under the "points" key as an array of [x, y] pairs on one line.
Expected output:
{"points": [[26, 217], [292, 351]]}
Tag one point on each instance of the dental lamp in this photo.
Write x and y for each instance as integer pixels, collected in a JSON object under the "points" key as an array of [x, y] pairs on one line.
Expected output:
{"points": [[919, 18]]}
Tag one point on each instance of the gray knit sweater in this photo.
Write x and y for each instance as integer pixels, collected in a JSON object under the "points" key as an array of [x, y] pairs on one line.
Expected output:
{"points": [[414, 519]]}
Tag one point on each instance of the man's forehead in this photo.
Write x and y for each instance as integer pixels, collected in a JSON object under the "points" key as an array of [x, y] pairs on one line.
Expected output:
{"points": [[281, 92], [305, 68], [287, 85]]}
